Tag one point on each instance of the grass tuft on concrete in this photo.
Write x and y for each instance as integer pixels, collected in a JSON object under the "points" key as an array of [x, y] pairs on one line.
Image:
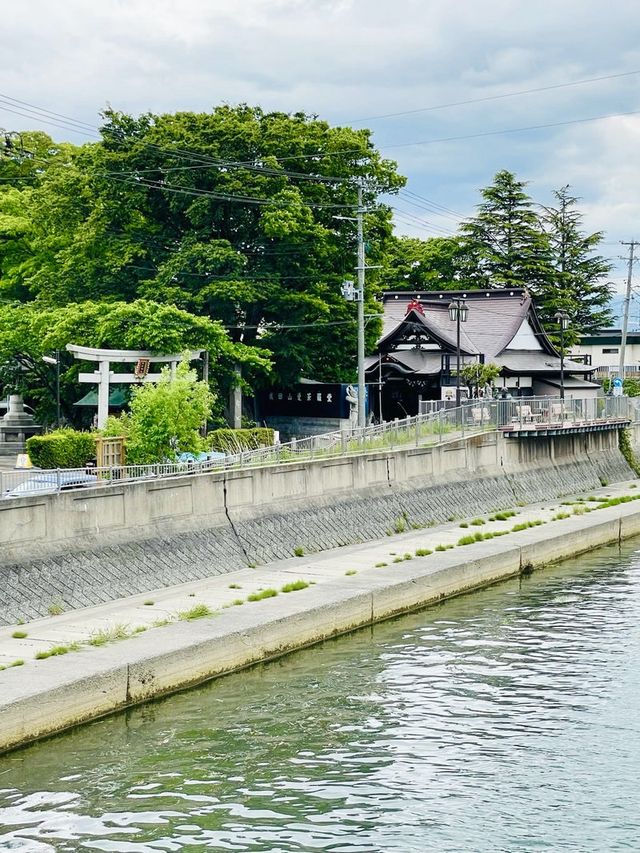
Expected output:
{"points": [[198, 611], [263, 593], [294, 586]]}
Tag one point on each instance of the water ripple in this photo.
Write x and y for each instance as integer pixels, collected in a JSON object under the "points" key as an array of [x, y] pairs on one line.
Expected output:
{"points": [[500, 721]]}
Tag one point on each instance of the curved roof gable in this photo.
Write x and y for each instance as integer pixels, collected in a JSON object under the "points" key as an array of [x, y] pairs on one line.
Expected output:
{"points": [[493, 321]]}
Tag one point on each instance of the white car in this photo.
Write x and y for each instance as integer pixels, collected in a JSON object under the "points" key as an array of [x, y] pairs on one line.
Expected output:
{"points": [[50, 482]]}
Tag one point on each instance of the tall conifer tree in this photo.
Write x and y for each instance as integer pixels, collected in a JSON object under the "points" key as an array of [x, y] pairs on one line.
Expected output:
{"points": [[505, 243], [580, 273]]}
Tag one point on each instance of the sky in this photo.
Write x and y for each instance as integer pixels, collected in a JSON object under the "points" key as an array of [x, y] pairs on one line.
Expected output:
{"points": [[356, 62]]}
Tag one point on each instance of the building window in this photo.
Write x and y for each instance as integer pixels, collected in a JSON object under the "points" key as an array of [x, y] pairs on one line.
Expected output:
{"points": [[610, 351]]}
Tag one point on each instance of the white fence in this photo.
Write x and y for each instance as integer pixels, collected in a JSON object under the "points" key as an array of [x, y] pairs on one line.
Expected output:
{"points": [[447, 424]]}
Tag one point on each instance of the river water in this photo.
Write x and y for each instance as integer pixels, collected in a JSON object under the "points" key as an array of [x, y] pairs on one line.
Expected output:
{"points": [[504, 720]]}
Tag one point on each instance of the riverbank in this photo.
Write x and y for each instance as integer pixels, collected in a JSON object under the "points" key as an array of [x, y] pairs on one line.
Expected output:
{"points": [[84, 548], [84, 664]]}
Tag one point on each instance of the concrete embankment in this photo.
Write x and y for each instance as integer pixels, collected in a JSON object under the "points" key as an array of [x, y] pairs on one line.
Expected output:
{"points": [[83, 548], [46, 696]]}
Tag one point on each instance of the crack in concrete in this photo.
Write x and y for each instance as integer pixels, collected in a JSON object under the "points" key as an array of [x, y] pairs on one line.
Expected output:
{"points": [[230, 520]]}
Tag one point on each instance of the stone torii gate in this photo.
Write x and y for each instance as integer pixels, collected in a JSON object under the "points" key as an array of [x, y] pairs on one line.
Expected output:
{"points": [[104, 377]]}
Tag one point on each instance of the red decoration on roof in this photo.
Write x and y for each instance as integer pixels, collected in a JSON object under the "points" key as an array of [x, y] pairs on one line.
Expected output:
{"points": [[414, 305]]}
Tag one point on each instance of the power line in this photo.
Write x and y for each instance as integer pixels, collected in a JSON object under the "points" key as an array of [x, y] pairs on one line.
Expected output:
{"points": [[345, 151], [420, 205], [423, 222], [511, 130], [165, 187], [4, 97], [453, 213], [496, 97]]}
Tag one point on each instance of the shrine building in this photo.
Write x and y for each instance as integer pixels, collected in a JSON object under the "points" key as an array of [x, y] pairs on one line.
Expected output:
{"points": [[417, 352]]}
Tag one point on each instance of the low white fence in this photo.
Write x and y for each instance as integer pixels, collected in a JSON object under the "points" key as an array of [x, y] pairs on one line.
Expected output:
{"points": [[448, 424]]}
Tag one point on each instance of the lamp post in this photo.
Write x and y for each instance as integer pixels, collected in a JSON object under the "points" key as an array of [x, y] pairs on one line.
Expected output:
{"points": [[562, 319], [49, 360], [458, 311]]}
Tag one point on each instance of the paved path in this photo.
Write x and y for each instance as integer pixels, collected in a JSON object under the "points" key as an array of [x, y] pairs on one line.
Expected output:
{"points": [[151, 610]]}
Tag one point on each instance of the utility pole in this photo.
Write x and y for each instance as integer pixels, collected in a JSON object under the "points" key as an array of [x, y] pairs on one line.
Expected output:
{"points": [[362, 418], [627, 301]]}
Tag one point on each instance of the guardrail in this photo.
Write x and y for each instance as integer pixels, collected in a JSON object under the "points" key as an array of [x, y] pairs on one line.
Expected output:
{"points": [[475, 416]]}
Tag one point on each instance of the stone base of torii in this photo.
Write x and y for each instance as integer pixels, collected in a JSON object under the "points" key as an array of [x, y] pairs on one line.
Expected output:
{"points": [[104, 377]]}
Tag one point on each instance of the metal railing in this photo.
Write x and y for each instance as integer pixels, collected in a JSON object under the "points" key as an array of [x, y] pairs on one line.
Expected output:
{"points": [[450, 424]]}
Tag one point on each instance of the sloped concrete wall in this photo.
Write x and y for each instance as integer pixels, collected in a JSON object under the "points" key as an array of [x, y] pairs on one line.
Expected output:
{"points": [[84, 548]]}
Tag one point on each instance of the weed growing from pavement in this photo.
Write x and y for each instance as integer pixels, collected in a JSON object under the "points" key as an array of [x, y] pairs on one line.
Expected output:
{"points": [[294, 586], [18, 662], [198, 611], [55, 651], [109, 635], [263, 593]]}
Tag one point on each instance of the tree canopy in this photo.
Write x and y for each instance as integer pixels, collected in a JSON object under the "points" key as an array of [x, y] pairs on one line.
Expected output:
{"points": [[229, 215]]}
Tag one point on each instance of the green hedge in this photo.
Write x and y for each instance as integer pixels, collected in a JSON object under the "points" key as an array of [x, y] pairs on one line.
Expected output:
{"points": [[233, 440], [64, 448]]}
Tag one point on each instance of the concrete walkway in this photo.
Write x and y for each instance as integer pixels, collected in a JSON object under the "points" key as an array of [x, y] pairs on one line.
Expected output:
{"points": [[124, 619]]}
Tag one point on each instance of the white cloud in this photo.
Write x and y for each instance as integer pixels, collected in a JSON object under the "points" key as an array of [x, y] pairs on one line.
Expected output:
{"points": [[348, 59]]}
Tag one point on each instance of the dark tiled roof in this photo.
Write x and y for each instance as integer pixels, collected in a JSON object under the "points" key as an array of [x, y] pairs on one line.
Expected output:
{"points": [[494, 318]]}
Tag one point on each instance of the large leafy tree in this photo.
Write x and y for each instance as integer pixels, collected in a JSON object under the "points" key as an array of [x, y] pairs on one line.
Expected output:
{"points": [[229, 215], [505, 243], [580, 272]]}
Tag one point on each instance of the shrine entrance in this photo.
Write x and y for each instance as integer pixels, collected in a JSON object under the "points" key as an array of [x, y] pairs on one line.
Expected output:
{"points": [[104, 377]]}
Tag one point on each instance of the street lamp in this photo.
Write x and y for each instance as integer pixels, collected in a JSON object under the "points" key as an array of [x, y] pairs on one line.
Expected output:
{"points": [[49, 360], [562, 319], [458, 312]]}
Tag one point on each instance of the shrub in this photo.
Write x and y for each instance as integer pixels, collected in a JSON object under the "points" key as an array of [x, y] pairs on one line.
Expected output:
{"points": [[423, 552], [235, 440], [165, 417], [298, 552], [478, 521], [465, 540], [63, 448]]}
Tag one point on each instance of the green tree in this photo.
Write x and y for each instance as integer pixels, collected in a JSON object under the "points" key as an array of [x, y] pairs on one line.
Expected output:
{"points": [[478, 375], [505, 244], [229, 215], [165, 417], [579, 272], [414, 264]]}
